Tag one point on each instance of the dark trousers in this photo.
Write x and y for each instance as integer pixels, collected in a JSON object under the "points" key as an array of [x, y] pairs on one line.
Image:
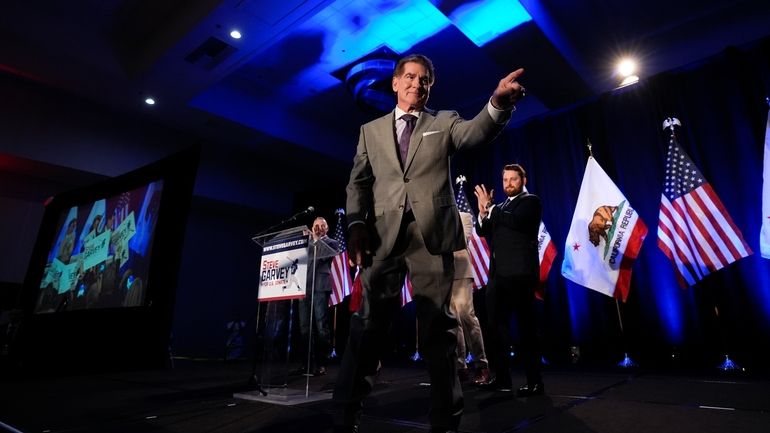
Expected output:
{"points": [[431, 278], [506, 296], [321, 336]]}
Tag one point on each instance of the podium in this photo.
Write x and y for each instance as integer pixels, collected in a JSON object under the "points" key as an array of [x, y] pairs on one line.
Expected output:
{"points": [[288, 257]]}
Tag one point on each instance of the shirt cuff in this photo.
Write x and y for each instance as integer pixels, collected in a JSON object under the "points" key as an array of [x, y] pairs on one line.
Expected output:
{"points": [[499, 116], [481, 219]]}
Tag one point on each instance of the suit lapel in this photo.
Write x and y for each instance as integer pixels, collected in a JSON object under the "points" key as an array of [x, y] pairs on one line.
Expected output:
{"points": [[385, 127], [509, 205], [427, 117]]}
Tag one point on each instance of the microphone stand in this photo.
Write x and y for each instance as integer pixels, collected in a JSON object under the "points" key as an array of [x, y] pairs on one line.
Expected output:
{"points": [[286, 221]]}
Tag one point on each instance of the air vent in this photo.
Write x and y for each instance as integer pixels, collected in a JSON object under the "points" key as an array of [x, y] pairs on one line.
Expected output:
{"points": [[369, 80], [210, 53], [370, 84]]}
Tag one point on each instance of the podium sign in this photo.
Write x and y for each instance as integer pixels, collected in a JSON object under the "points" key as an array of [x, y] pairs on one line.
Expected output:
{"points": [[284, 267]]}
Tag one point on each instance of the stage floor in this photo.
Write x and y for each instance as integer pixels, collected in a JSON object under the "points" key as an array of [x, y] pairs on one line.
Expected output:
{"points": [[199, 397]]}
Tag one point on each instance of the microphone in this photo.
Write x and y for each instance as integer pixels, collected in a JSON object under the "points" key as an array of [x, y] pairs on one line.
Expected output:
{"points": [[308, 211]]}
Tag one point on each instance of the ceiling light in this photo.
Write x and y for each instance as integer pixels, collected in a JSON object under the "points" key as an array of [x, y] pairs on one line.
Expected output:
{"points": [[149, 101], [626, 67], [626, 70], [235, 34]]}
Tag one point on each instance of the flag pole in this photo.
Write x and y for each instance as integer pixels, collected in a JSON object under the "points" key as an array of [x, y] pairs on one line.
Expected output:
{"points": [[627, 361], [416, 357], [727, 364], [333, 353]]}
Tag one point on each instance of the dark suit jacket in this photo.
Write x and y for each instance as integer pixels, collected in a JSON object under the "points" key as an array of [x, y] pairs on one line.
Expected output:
{"points": [[512, 234], [378, 185], [323, 274]]}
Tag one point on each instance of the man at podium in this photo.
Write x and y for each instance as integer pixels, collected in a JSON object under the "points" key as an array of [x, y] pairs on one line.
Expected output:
{"points": [[319, 299]]}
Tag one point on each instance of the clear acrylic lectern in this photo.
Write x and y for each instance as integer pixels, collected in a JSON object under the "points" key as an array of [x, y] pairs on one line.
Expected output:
{"points": [[288, 262]]}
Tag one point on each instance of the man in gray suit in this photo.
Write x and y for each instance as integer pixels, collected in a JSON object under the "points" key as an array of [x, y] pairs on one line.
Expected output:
{"points": [[403, 217]]}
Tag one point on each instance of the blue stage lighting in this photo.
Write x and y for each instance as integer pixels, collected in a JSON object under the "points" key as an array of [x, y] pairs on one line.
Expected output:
{"points": [[668, 298], [354, 29], [483, 21]]}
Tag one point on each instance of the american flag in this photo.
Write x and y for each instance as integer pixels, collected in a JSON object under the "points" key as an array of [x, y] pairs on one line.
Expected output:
{"points": [[341, 281], [695, 231], [478, 250]]}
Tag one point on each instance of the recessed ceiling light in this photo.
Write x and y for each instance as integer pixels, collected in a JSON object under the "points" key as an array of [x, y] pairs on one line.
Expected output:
{"points": [[235, 34], [149, 101]]}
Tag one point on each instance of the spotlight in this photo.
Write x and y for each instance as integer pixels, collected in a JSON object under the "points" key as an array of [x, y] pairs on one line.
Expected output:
{"points": [[235, 34], [626, 69], [149, 101]]}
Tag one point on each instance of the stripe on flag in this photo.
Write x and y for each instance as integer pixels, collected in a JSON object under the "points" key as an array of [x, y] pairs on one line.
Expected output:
{"points": [[406, 291]]}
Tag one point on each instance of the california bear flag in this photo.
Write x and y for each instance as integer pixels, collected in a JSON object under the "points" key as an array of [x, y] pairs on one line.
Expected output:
{"points": [[604, 238]]}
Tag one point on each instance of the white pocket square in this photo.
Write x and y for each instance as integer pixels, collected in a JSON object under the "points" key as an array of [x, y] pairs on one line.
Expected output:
{"points": [[427, 133]]}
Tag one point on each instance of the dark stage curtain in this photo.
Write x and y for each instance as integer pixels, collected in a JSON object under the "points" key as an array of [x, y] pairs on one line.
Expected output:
{"points": [[721, 104]]}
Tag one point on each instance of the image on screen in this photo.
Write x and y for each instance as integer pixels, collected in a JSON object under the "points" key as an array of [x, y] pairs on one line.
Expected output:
{"points": [[101, 253]]}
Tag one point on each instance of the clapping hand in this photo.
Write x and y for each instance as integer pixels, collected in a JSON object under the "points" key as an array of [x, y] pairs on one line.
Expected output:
{"points": [[485, 198]]}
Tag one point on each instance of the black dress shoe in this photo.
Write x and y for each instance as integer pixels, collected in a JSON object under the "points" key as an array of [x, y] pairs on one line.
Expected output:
{"points": [[494, 384], [482, 376], [530, 390]]}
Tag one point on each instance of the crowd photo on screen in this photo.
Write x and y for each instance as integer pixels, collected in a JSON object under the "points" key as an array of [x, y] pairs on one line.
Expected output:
{"points": [[101, 253]]}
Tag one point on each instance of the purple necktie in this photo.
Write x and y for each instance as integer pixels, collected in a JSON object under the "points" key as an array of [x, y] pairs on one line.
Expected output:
{"points": [[406, 135]]}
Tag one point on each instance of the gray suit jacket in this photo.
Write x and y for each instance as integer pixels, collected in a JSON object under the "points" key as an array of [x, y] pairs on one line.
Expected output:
{"points": [[378, 186]]}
